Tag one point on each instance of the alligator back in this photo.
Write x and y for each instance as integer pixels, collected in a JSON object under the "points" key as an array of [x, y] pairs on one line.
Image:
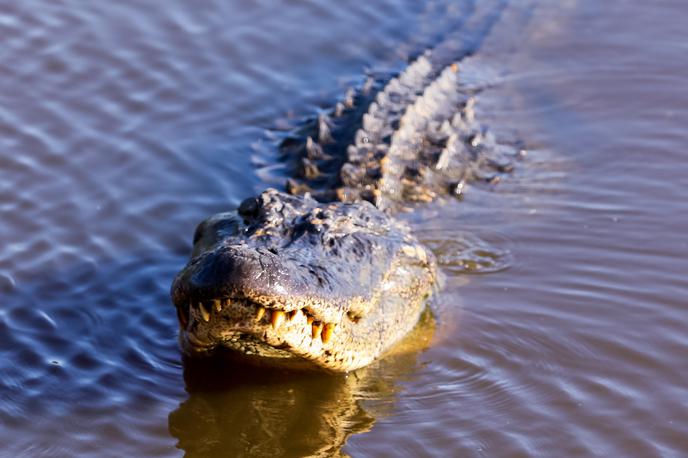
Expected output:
{"points": [[403, 139]]}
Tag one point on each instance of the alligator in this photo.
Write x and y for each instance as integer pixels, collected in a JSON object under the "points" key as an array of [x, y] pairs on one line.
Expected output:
{"points": [[284, 275], [324, 274]]}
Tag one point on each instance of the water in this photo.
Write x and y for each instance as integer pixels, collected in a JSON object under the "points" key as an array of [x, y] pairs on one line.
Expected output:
{"points": [[123, 125]]}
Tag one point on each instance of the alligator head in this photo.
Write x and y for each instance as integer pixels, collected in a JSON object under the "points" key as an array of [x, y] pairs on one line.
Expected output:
{"points": [[288, 279]]}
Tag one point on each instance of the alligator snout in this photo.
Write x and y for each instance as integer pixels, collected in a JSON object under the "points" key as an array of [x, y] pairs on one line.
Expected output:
{"points": [[230, 268]]}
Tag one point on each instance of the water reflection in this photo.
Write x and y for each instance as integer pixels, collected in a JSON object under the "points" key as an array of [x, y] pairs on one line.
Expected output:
{"points": [[234, 409]]}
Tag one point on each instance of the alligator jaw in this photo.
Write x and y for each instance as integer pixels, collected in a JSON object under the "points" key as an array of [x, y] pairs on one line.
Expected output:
{"points": [[298, 337], [253, 329], [281, 330], [243, 316]]}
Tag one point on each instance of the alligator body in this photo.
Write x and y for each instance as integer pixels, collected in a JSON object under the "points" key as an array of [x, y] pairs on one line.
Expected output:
{"points": [[323, 274], [417, 141]]}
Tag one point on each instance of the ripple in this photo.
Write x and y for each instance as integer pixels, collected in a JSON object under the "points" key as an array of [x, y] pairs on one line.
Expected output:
{"points": [[461, 252]]}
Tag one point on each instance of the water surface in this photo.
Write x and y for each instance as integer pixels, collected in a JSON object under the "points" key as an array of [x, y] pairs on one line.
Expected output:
{"points": [[561, 327]]}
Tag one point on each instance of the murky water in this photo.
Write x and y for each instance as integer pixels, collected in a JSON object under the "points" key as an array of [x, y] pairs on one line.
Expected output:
{"points": [[562, 326]]}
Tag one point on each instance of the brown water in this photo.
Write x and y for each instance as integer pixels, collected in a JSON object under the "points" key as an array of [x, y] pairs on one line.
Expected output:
{"points": [[122, 125]]}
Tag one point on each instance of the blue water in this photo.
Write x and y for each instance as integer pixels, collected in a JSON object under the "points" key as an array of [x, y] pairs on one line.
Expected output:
{"points": [[122, 125]]}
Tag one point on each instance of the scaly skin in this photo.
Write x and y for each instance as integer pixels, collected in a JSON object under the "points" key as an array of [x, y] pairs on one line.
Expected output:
{"points": [[417, 141]]}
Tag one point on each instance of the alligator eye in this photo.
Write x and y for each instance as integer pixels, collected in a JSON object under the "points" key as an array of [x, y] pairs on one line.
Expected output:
{"points": [[249, 207]]}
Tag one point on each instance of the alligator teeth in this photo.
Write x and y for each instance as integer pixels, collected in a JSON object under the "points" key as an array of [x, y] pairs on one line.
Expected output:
{"points": [[260, 313], [204, 312], [218, 305], [294, 315], [327, 332], [316, 329], [277, 319]]}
